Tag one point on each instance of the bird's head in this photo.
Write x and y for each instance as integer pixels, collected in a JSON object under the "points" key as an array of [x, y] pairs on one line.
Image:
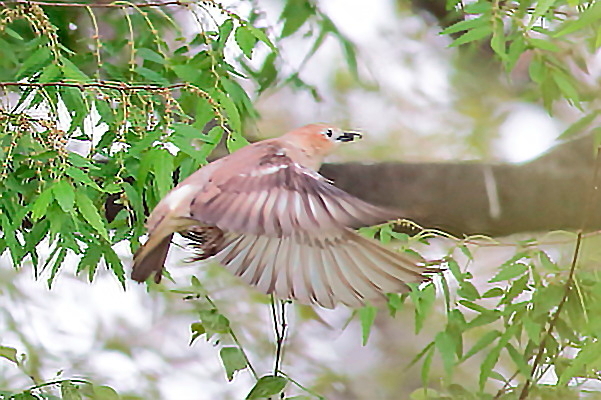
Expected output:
{"points": [[320, 139]]}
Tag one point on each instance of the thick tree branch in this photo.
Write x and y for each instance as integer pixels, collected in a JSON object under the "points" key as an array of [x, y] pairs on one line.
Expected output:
{"points": [[471, 198]]}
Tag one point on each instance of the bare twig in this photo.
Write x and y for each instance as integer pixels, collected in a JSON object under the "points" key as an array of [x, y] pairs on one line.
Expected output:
{"points": [[105, 5], [99, 84], [568, 285], [279, 327]]}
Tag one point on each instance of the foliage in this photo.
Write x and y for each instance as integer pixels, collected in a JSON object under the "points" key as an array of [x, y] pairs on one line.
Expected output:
{"points": [[112, 102]]}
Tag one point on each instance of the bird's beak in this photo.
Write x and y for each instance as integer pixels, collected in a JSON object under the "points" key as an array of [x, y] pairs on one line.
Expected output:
{"points": [[350, 136]]}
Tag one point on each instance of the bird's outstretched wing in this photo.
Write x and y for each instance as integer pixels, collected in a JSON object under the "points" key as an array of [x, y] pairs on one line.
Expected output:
{"points": [[264, 192], [319, 269]]}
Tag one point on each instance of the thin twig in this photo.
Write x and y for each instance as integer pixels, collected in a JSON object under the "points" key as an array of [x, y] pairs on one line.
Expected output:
{"points": [[99, 84], [279, 327], [104, 5], [506, 385], [58, 382], [570, 280]]}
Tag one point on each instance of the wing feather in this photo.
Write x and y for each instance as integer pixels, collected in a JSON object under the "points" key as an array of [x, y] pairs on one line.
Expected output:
{"points": [[275, 196]]}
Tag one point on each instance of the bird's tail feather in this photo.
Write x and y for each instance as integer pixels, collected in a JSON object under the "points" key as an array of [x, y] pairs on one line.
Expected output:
{"points": [[150, 259]]}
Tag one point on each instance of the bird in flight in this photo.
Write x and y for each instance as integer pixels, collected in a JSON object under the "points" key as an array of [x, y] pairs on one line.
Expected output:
{"points": [[268, 216]]}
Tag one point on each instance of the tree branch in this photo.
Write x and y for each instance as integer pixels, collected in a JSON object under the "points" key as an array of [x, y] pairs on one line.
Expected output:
{"points": [[472, 198]]}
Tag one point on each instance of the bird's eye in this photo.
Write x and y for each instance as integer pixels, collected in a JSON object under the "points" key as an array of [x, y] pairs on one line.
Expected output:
{"points": [[329, 132]]}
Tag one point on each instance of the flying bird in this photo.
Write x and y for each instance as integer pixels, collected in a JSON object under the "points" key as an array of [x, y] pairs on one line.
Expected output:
{"points": [[268, 216]]}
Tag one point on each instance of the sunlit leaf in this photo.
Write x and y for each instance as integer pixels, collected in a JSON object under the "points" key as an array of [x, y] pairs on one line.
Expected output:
{"points": [[267, 386], [233, 360], [9, 353], [367, 316]]}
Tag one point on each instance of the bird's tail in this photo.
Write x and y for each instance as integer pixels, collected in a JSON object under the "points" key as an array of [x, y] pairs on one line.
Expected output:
{"points": [[150, 258]]}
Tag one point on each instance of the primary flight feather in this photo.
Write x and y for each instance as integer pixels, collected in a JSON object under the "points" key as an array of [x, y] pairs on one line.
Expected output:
{"points": [[265, 214]]}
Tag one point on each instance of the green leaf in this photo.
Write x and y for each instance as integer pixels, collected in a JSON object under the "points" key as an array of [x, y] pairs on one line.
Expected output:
{"points": [[89, 261], [72, 71], [468, 291], [537, 70], [294, 15], [509, 271], [367, 316], [427, 363], [69, 391], [50, 73], [225, 30], [518, 359], [246, 40], [267, 386], [10, 353], [516, 288], [466, 252], [90, 213], [235, 141], [233, 360], [579, 126], [541, 8], [114, 262], [81, 177], [590, 353], [465, 25], [533, 329], [446, 349], [215, 135], [198, 330], [486, 317], [262, 36], [41, 203], [214, 322], [494, 292], [478, 7], [152, 76], [64, 194], [104, 393], [486, 367], [498, 40], [472, 35], [150, 55], [189, 140], [35, 62], [81, 162], [566, 85], [231, 110], [162, 169], [484, 341], [423, 299], [544, 44], [187, 73], [455, 270], [587, 18]]}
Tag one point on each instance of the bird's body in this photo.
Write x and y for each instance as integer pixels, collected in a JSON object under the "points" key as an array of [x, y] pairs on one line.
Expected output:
{"points": [[267, 215]]}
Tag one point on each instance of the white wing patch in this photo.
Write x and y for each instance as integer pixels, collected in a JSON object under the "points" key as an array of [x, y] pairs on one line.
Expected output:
{"points": [[266, 171], [178, 195]]}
